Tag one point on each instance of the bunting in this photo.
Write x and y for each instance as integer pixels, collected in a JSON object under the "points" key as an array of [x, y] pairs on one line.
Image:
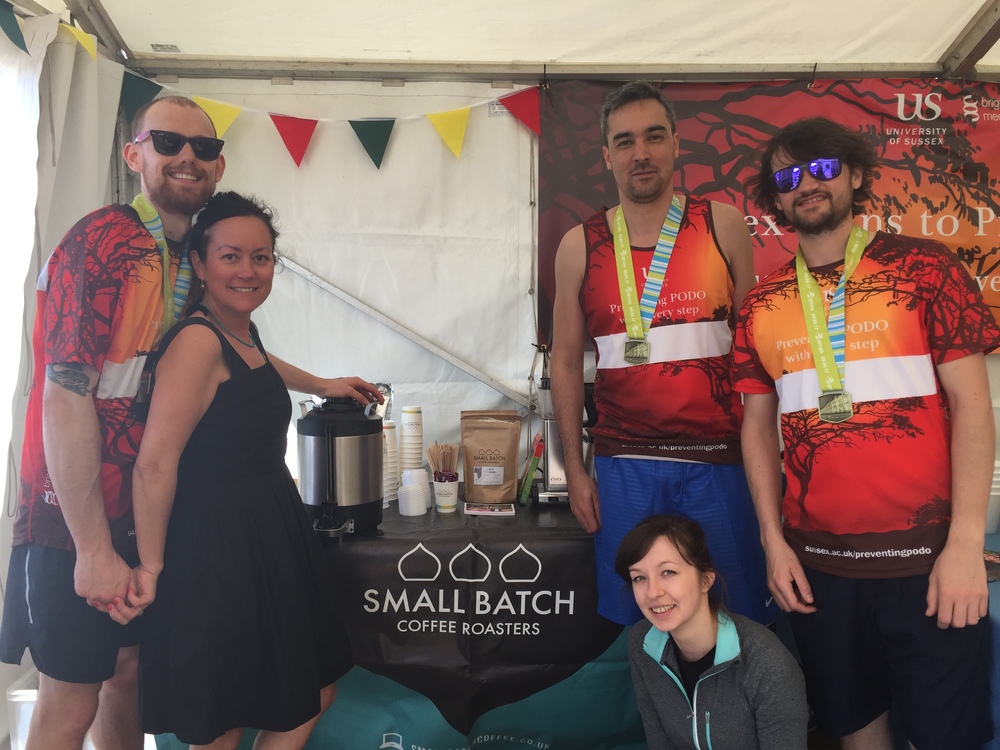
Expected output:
{"points": [[526, 107], [222, 115], [136, 91], [84, 39], [296, 133], [10, 26], [451, 127], [374, 136]]}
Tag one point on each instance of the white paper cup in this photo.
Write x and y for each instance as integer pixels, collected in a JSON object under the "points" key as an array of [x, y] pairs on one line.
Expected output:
{"points": [[446, 496], [411, 501], [411, 421], [416, 476]]}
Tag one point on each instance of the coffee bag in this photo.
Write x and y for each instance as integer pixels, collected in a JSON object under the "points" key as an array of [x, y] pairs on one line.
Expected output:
{"points": [[489, 455]]}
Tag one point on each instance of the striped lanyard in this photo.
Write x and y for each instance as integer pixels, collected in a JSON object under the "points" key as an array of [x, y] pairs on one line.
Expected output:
{"points": [[638, 312], [827, 337], [173, 297]]}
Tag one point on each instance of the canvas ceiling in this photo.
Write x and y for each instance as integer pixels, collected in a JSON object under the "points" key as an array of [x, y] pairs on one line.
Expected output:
{"points": [[524, 39]]}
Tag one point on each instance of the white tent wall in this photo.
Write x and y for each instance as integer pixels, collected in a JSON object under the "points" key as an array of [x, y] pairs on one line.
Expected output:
{"points": [[61, 157], [439, 244]]}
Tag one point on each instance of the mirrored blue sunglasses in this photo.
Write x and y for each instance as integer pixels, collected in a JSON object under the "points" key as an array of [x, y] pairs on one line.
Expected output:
{"points": [[787, 179]]}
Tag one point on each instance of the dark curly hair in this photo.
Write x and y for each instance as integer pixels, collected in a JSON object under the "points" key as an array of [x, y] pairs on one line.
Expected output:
{"points": [[804, 140], [222, 206]]}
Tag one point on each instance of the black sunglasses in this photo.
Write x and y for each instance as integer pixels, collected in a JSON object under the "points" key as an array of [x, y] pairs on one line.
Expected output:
{"points": [[168, 143], [787, 179]]}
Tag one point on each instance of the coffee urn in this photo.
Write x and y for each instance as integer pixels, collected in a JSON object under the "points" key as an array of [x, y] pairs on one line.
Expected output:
{"points": [[340, 467]]}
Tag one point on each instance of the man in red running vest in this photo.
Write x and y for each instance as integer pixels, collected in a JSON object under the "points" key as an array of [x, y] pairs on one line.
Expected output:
{"points": [[653, 284]]}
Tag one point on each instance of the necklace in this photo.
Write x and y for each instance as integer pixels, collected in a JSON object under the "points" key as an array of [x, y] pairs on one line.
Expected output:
{"points": [[251, 344]]}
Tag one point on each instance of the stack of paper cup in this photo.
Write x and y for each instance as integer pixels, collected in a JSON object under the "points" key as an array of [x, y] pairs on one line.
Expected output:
{"points": [[993, 509], [390, 463], [411, 500], [411, 438], [419, 478]]}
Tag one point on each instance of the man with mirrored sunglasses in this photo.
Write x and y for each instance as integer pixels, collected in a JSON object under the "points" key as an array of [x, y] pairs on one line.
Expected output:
{"points": [[871, 347], [109, 291], [654, 284]]}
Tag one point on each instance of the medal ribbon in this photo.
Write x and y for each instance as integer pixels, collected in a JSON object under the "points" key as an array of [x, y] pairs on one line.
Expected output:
{"points": [[827, 338], [173, 298], [639, 312]]}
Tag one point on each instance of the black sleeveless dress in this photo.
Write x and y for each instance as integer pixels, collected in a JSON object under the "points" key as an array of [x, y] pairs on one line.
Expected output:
{"points": [[244, 630]]}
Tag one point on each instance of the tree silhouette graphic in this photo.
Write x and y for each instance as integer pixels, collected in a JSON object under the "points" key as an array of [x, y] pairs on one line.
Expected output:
{"points": [[946, 177], [807, 437]]}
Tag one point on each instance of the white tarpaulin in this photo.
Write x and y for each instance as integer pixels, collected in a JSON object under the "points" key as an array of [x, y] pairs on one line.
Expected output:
{"points": [[439, 244]]}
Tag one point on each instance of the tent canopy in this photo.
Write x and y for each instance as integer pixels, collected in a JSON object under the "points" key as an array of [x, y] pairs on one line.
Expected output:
{"points": [[527, 40]]}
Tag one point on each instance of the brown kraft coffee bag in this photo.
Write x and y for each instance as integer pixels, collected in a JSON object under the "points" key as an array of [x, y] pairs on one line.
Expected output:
{"points": [[489, 455]]}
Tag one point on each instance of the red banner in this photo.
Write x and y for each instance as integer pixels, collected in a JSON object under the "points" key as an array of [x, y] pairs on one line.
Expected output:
{"points": [[937, 144]]}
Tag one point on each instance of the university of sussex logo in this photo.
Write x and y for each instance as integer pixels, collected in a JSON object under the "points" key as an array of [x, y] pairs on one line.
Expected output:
{"points": [[925, 107]]}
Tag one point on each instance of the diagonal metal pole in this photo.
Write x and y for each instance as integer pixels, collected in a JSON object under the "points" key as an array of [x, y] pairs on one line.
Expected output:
{"points": [[402, 330]]}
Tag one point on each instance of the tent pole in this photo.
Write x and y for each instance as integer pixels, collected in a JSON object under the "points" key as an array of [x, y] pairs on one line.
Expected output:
{"points": [[402, 330]]}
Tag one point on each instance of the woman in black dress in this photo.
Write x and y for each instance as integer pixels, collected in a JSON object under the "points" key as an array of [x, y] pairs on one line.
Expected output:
{"points": [[243, 631]]}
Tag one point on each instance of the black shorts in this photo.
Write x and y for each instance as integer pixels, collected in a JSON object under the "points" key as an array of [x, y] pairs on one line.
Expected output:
{"points": [[69, 640], [870, 646]]}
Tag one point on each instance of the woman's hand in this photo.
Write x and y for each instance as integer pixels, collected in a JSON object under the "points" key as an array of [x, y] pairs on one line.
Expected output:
{"points": [[140, 595], [360, 390]]}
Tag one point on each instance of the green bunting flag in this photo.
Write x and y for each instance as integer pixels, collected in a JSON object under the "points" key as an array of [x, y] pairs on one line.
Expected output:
{"points": [[136, 91], [374, 136], [10, 26]]}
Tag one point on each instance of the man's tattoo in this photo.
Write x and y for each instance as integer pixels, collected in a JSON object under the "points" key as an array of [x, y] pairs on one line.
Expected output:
{"points": [[71, 376]]}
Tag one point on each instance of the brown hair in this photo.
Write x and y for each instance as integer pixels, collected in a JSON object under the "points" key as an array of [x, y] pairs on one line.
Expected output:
{"points": [[686, 535], [634, 91]]}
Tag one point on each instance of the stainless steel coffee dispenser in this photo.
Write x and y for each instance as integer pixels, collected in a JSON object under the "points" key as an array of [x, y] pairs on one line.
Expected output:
{"points": [[340, 467]]}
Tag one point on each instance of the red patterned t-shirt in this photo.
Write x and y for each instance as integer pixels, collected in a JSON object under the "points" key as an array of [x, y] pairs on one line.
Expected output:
{"points": [[869, 497], [99, 303]]}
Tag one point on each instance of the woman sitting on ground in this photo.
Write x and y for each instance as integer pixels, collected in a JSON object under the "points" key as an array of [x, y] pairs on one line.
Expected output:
{"points": [[703, 678]]}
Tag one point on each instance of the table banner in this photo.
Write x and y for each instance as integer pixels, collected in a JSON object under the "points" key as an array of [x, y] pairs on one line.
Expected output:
{"points": [[477, 633], [492, 624]]}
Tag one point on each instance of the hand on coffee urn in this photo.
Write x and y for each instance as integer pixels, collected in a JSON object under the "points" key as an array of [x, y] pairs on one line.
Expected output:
{"points": [[360, 390], [296, 379]]}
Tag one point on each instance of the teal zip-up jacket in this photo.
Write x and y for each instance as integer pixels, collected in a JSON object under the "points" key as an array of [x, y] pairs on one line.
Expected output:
{"points": [[753, 697]]}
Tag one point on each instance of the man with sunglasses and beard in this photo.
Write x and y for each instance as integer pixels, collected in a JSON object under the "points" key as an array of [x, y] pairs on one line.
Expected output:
{"points": [[107, 294], [654, 284], [871, 346]]}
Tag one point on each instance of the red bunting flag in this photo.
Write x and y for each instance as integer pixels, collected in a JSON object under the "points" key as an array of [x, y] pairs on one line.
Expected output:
{"points": [[296, 133], [525, 106]]}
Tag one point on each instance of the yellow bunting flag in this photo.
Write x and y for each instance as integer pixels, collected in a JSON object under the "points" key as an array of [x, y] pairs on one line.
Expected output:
{"points": [[451, 127], [86, 40], [222, 115]]}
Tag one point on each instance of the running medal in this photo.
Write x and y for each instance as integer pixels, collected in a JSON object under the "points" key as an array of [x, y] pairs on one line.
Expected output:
{"points": [[835, 406], [637, 351], [826, 337], [638, 311]]}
